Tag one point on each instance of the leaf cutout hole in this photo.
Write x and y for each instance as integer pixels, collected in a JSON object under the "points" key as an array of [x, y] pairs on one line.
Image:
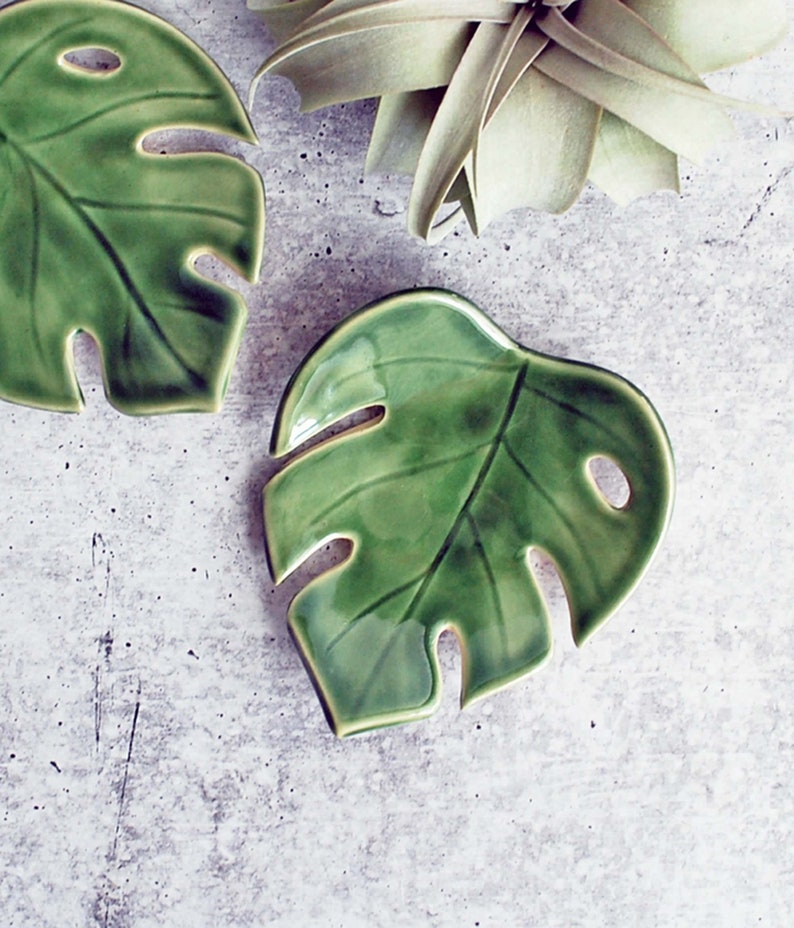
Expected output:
{"points": [[87, 362], [449, 653], [325, 557], [213, 267], [552, 589], [177, 141], [98, 61], [357, 421], [610, 481]]}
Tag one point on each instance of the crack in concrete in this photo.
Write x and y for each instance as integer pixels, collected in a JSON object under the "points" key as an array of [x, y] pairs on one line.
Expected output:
{"points": [[766, 197], [123, 792]]}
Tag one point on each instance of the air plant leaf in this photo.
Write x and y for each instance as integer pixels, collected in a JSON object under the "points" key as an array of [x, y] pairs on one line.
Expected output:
{"points": [[627, 163], [99, 235], [713, 34], [482, 454], [463, 107]]}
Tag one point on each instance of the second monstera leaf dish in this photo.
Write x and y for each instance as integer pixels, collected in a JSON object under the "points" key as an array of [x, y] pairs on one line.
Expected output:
{"points": [[98, 234], [483, 452]]}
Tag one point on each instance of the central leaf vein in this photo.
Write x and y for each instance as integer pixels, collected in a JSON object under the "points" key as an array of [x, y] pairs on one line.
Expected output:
{"points": [[461, 518], [479, 480]]}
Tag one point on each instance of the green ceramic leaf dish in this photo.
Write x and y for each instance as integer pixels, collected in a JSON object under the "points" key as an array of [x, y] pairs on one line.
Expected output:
{"points": [[482, 454], [98, 235]]}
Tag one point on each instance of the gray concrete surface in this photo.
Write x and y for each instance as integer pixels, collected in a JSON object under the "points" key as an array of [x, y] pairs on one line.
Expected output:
{"points": [[163, 757]]}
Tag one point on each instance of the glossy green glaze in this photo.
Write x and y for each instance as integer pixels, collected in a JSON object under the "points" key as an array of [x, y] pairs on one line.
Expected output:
{"points": [[482, 454], [98, 235]]}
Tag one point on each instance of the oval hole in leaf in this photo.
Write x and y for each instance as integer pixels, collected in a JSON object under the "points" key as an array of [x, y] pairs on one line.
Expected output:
{"points": [[90, 60], [610, 481]]}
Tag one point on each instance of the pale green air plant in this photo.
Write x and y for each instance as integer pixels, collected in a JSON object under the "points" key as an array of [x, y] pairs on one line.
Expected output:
{"points": [[498, 104]]}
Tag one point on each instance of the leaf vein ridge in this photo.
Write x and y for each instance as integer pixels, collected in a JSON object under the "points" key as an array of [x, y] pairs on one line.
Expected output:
{"points": [[396, 475], [32, 49], [363, 613], [116, 261], [462, 515], [35, 216], [575, 411], [479, 547], [115, 107], [432, 360], [563, 516], [161, 207], [475, 488]]}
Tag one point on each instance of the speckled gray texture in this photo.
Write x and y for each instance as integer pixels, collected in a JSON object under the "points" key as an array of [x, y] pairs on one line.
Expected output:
{"points": [[163, 757]]}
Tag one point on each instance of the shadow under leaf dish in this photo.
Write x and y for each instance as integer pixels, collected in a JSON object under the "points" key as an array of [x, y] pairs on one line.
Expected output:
{"points": [[100, 236], [497, 104], [482, 454]]}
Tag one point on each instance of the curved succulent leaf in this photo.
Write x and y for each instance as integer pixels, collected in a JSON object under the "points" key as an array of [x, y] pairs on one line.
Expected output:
{"points": [[401, 126], [626, 68], [712, 34], [632, 97], [99, 235], [555, 128], [284, 18], [379, 46], [482, 454], [627, 163]]}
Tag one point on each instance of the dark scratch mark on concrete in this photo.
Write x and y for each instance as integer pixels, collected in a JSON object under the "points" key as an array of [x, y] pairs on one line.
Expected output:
{"points": [[759, 209], [100, 551], [97, 541], [766, 196], [101, 558], [108, 907], [188, 14], [97, 705], [123, 792], [104, 648], [110, 898], [104, 900], [106, 642]]}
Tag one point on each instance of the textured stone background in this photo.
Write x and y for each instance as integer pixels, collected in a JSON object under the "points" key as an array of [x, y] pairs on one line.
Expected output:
{"points": [[163, 758]]}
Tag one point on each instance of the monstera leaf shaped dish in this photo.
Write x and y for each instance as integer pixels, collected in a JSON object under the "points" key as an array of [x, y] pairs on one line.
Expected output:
{"points": [[483, 453], [99, 235], [496, 104]]}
